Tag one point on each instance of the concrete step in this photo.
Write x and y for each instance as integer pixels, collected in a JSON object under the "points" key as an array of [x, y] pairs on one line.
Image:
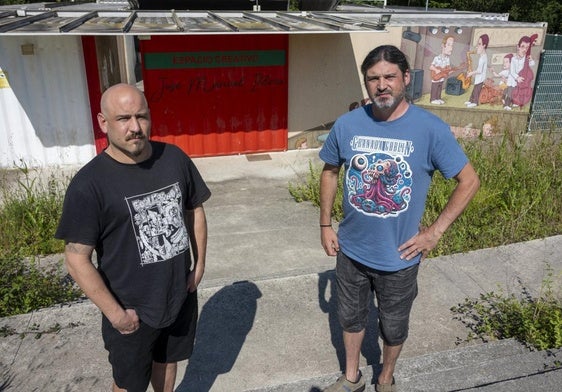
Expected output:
{"points": [[500, 366], [277, 335]]}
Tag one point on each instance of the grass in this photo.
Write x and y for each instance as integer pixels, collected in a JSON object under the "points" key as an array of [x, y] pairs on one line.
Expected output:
{"points": [[519, 197], [535, 321], [30, 213], [30, 210], [519, 200]]}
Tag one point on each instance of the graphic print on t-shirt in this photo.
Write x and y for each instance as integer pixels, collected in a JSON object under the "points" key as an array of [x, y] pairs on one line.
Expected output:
{"points": [[379, 179], [158, 222]]}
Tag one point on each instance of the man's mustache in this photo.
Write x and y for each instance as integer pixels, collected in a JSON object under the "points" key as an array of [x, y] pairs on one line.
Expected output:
{"points": [[136, 135]]}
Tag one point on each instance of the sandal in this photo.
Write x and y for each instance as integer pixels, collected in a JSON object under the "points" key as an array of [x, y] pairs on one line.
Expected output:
{"points": [[343, 385], [386, 387]]}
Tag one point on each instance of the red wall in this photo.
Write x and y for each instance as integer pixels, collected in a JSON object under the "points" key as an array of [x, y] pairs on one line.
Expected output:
{"points": [[94, 89], [218, 95]]}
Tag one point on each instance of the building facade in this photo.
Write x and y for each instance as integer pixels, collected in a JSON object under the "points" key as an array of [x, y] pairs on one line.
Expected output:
{"points": [[242, 82]]}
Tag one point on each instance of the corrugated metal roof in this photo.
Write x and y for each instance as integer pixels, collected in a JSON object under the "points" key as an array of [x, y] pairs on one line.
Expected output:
{"points": [[118, 17]]}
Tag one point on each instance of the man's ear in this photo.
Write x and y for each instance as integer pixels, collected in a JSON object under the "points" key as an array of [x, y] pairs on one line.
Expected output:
{"points": [[407, 77], [102, 122]]}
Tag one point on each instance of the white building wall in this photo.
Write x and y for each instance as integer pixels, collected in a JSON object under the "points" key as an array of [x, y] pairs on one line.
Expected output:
{"points": [[325, 76], [44, 107]]}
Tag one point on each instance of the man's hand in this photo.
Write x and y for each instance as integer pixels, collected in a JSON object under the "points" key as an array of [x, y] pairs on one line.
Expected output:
{"points": [[423, 242], [127, 323], [193, 279], [329, 240]]}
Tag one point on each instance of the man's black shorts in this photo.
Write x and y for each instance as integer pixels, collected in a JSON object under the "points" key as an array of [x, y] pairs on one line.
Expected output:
{"points": [[131, 355]]}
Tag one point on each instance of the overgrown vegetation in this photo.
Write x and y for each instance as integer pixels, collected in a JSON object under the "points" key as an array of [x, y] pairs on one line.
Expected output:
{"points": [[519, 200], [519, 197], [29, 213], [536, 322]]}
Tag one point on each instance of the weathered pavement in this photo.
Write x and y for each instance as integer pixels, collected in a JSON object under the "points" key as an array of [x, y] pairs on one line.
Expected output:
{"points": [[267, 319]]}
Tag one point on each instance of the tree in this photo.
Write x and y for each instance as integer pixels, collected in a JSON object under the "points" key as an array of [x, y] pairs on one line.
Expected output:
{"points": [[10, 2], [549, 11]]}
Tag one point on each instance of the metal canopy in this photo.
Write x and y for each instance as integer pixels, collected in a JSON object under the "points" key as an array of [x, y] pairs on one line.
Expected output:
{"points": [[118, 18], [170, 22]]}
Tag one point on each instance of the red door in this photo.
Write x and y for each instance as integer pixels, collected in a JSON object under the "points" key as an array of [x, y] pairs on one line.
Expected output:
{"points": [[217, 95]]}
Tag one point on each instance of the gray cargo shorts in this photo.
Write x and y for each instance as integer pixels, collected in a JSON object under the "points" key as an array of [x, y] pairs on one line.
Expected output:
{"points": [[395, 293]]}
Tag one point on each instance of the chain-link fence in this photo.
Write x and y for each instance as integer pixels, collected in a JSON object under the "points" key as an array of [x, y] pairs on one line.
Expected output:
{"points": [[546, 110]]}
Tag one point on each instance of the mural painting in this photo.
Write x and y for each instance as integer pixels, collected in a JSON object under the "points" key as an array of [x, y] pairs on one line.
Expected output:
{"points": [[476, 68], [480, 80]]}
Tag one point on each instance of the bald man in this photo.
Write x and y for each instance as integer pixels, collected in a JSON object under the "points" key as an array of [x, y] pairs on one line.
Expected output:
{"points": [[139, 205]]}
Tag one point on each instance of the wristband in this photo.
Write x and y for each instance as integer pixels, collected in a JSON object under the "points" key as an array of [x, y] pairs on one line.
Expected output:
{"points": [[330, 225]]}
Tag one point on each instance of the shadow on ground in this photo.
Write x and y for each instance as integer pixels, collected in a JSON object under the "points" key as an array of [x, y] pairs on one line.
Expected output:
{"points": [[224, 323]]}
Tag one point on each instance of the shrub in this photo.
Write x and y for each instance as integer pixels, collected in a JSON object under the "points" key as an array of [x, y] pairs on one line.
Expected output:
{"points": [[29, 211], [24, 287], [519, 200], [519, 197], [537, 322]]}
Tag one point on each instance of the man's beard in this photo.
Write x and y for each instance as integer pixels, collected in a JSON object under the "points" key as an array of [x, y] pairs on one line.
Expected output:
{"points": [[388, 102], [138, 149]]}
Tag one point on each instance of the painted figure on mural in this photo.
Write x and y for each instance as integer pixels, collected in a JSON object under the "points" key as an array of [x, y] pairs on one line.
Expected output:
{"points": [[504, 73], [494, 93], [519, 89], [480, 72], [441, 69]]}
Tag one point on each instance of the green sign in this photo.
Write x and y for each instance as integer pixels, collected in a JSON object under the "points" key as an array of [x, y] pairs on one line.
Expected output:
{"points": [[245, 58]]}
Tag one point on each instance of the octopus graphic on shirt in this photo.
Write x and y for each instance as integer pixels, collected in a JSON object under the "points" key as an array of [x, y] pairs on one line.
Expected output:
{"points": [[158, 223], [379, 178]]}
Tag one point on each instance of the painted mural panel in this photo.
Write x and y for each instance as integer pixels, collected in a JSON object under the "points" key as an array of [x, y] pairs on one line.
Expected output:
{"points": [[475, 68], [218, 95]]}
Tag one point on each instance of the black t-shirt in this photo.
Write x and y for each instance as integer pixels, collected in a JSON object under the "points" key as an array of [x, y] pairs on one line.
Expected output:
{"points": [[133, 214]]}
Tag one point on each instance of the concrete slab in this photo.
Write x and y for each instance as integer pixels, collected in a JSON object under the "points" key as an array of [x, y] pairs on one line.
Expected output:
{"points": [[267, 299]]}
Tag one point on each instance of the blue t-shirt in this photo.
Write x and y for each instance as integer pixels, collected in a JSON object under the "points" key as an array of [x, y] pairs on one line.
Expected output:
{"points": [[388, 169]]}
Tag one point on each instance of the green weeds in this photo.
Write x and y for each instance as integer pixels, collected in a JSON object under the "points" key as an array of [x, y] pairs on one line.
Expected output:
{"points": [[535, 321], [519, 197], [30, 209], [29, 213], [309, 190], [519, 200]]}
